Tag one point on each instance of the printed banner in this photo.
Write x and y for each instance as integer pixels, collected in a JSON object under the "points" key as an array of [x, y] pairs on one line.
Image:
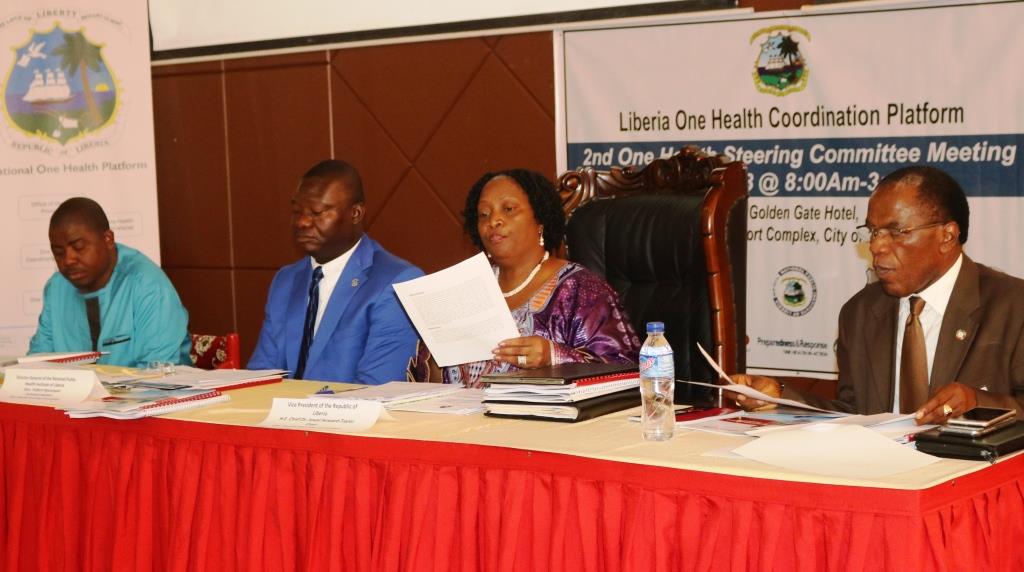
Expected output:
{"points": [[76, 119], [819, 106]]}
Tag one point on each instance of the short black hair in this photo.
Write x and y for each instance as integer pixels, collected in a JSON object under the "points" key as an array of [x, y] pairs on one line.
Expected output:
{"points": [[339, 171], [544, 200], [83, 210], [939, 190]]}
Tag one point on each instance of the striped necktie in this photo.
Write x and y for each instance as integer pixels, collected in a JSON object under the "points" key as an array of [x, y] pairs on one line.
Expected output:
{"points": [[310, 323]]}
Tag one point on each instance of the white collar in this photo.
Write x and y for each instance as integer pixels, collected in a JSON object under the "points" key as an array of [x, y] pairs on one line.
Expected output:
{"points": [[334, 267], [937, 295]]}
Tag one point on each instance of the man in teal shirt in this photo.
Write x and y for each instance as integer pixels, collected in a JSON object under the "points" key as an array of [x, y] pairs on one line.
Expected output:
{"points": [[106, 296]]}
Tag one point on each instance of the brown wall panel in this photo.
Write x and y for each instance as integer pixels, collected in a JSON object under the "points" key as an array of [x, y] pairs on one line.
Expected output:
{"points": [[191, 158], [416, 216], [410, 87], [251, 294], [208, 296], [530, 58], [278, 126], [497, 125], [360, 139]]}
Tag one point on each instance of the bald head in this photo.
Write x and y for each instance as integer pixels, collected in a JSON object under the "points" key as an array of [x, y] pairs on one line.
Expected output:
{"points": [[335, 171], [81, 210]]}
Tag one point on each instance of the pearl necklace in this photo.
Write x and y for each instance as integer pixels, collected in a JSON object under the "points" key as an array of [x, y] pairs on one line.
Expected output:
{"points": [[518, 289]]}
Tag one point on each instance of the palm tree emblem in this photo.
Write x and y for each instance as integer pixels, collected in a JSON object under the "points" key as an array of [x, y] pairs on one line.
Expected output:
{"points": [[59, 87], [77, 57], [780, 68]]}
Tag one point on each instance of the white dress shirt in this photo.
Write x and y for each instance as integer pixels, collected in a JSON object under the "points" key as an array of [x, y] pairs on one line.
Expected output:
{"points": [[332, 271], [936, 298]]}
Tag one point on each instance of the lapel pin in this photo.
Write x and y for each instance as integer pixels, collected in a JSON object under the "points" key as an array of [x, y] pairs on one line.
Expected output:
{"points": [[961, 335], [355, 282]]}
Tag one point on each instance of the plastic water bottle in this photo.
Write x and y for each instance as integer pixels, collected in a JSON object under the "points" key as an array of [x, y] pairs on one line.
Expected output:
{"points": [[657, 384]]}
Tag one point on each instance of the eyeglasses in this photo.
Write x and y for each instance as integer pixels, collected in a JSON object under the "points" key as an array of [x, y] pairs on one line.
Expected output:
{"points": [[867, 233]]}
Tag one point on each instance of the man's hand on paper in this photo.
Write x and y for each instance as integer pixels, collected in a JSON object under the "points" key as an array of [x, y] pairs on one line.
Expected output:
{"points": [[527, 352], [765, 385], [956, 395]]}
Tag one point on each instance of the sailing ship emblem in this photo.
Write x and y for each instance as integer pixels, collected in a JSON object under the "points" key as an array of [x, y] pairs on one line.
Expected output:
{"points": [[59, 87], [780, 68]]}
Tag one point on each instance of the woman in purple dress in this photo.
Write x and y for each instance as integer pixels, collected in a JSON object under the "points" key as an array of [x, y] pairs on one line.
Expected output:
{"points": [[565, 313]]}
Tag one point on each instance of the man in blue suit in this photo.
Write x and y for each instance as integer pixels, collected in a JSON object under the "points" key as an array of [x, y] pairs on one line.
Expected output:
{"points": [[333, 315]]}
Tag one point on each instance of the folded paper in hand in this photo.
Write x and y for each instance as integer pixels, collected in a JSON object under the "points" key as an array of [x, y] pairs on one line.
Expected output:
{"points": [[459, 312], [746, 390]]}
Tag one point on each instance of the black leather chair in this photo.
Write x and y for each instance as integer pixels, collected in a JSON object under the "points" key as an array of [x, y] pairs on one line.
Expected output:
{"points": [[671, 239]]}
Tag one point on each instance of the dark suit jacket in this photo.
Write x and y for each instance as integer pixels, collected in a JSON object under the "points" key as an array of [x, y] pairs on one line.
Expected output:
{"points": [[364, 335], [986, 307]]}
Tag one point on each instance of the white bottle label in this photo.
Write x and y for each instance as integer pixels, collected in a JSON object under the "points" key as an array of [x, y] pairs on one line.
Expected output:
{"points": [[657, 365]]}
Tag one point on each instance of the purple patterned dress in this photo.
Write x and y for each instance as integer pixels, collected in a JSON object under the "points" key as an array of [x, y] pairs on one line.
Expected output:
{"points": [[581, 315]]}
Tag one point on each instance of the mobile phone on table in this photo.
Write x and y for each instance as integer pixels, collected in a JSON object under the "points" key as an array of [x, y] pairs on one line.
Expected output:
{"points": [[981, 417], [974, 432]]}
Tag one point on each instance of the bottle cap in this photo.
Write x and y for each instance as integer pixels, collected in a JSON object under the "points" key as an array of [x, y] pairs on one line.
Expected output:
{"points": [[655, 327]]}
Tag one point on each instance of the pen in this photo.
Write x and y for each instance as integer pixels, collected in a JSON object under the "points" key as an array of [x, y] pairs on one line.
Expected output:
{"points": [[325, 390]]}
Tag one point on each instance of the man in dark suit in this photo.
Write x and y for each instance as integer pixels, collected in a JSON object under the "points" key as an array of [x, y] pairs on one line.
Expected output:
{"points": [[333, 315], [971, 318]]}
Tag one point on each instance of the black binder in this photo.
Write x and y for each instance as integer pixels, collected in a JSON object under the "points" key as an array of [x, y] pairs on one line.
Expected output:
{"points": [[986, 448], [568, 412], [562, 374]]}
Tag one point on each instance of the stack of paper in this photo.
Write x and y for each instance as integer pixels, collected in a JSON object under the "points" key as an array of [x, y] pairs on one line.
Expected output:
{"points": [[145, 403], [223, 379], [397, 392], [565, 392], [571, 393], [461, 402]]}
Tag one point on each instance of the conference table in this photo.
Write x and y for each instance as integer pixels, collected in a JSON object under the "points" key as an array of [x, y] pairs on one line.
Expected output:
{"points": [[208, 489]]}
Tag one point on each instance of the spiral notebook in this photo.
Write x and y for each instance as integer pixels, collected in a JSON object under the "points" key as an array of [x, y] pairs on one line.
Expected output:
{"points": [[53, 357], [146, 403]]}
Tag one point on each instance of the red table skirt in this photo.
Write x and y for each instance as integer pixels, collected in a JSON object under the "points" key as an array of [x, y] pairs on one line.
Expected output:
{"points": [[159, 494]]}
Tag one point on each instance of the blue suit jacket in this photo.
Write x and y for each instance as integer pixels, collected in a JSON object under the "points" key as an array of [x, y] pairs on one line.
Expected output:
{"points": [[364, 335]]}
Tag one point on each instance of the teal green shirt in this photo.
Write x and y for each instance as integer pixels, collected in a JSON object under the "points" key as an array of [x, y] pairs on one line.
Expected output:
{"points": [[141, 316]]}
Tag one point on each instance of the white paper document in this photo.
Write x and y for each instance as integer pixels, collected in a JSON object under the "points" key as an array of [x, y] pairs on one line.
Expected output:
{"points": [[461, 402], [753, 393], [899, 427], [838, 450], [459, 312], [396, 392], [747, 423], [339, 414], [51, 383], [187, 376], [746, 390]]}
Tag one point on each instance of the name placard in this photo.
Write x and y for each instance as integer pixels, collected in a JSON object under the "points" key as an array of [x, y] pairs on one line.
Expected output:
{"points": [[337, 414], [50, 385]]}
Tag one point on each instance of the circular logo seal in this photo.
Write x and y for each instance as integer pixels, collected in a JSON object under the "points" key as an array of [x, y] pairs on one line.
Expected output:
{"points": [[60, 95], [780, 67], [794, 291]]}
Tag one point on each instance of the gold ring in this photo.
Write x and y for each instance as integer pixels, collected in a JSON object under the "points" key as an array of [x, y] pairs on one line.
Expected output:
{"points": [[947, 410]]}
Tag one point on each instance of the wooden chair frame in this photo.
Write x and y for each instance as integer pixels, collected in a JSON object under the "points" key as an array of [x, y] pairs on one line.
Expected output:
{"points": [[723, 228]]}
